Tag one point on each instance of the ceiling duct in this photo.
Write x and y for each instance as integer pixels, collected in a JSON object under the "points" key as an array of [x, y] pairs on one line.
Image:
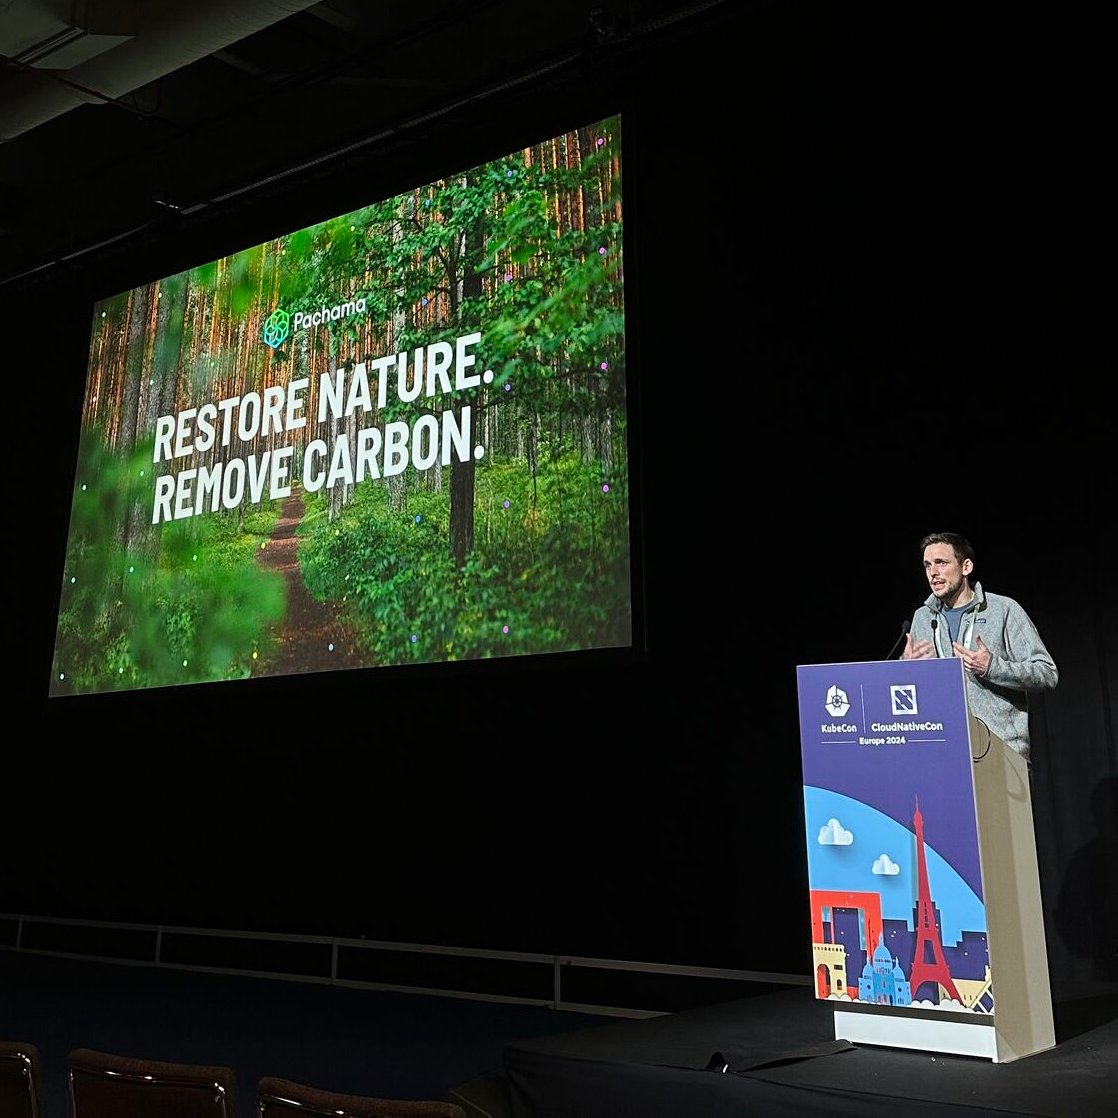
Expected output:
{"points": [[58, 55]]}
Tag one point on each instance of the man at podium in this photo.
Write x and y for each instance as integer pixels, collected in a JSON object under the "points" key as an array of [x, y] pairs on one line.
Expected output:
{"points": [[1004, 658]]}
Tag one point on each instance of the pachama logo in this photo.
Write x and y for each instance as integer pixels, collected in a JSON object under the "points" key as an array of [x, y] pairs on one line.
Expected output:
{"points": [[279, 323], [276, 328]]}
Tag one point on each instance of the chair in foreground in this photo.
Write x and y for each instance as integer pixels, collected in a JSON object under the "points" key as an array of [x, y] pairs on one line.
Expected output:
{"points": [[104, 1085], [281, 1098], [21, 1080]]}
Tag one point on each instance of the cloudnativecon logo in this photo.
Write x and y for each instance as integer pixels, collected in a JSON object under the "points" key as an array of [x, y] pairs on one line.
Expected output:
{"points": [[279, 324]]}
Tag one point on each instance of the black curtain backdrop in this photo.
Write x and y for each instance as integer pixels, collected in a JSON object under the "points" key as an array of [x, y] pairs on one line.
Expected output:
{"points": [[864, 290]]}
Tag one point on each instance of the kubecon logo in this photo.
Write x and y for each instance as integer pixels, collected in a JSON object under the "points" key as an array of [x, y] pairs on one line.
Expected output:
{"points": [[279, 324]]}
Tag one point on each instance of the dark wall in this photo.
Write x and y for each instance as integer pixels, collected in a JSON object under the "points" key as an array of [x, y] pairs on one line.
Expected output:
{"points": [[860, 313]]}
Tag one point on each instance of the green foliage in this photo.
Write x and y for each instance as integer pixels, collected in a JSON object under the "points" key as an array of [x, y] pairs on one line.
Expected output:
{"points": [[183, 603], [548, 573], [549, 566], [241, 282]]}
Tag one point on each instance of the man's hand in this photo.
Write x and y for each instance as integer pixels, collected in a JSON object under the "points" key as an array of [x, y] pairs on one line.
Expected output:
{"points": [[917, 650], [977, 659]]}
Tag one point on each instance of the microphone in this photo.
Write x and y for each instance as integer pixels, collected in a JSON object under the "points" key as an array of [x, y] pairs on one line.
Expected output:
{"points": [[900, 640]]}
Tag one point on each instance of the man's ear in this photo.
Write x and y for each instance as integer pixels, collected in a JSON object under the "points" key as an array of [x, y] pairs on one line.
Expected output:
{"points": [[968, 566]]}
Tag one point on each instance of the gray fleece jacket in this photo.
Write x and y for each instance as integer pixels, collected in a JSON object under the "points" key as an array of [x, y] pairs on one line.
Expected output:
{"points": [[1020, 663]]}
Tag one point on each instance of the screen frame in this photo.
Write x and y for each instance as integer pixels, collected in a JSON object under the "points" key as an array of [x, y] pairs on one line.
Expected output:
{"points": [[304, 198]]}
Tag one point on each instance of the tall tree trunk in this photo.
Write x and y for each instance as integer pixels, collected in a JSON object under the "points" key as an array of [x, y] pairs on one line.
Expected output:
{"points": [[463, 475], [133, 523]]}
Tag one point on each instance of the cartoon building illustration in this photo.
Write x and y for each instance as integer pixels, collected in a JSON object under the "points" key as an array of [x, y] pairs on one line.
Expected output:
{"points": [[893, 965], [828, 954], [883, 982], [928, 963]]}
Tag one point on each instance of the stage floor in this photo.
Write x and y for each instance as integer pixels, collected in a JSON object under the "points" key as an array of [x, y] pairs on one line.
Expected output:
{"points": [[516, 1061], [782, 1059]]}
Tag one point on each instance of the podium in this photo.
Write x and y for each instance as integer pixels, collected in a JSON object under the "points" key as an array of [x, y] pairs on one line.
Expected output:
{"points": [[926, 919]]}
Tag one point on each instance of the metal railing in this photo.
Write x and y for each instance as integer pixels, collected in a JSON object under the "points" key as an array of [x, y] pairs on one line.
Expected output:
{"points": [[566, 982]]}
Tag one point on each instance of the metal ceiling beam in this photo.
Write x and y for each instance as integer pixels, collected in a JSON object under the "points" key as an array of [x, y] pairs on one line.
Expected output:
{"points": [[165, 40]]}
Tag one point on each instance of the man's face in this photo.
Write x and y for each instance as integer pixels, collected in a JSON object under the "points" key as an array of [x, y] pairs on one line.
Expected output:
{"points": [[946, 575]]}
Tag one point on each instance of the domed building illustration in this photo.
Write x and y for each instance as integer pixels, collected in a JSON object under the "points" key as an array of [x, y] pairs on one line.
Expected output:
{"points": [[883, 982]]}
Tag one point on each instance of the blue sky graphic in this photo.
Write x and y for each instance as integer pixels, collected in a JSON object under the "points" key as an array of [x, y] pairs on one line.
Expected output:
{"points": [[877, 841]]}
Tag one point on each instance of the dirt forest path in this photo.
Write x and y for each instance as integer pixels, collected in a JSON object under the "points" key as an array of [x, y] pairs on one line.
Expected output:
{"points": [[310, 637]]}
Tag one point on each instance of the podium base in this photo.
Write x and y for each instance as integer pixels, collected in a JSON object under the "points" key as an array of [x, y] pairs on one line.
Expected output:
{"points": [[923, 1034]]}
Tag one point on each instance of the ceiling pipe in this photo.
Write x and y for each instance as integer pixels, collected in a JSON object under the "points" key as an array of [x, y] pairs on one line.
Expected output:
{"points": [[172, 37]]}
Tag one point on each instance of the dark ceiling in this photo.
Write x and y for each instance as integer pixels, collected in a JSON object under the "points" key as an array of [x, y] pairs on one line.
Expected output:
{"points": [[116, 115]]}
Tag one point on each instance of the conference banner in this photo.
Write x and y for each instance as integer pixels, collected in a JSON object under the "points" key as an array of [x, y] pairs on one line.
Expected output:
{"points": [[896, 892]]}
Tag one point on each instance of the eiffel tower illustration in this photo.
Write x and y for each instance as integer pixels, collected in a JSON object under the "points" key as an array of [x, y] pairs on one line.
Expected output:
{"points": [[928, 963]]}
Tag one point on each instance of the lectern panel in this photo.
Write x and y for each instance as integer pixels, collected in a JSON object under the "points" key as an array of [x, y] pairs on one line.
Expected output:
{"points": [[910, 899], [895, 876]]}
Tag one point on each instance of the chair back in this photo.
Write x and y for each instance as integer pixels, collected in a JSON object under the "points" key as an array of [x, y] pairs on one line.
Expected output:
{"points": [[104, 1085], [21, 1080], [281, 1098]]}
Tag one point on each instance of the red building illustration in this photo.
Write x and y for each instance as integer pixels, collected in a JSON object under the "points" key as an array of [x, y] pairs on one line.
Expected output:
{"points": [[830, 957], [928, 963]]}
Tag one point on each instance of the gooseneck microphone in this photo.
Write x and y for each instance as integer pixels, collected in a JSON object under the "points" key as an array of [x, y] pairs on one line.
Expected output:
{"points": [[899, 641]]}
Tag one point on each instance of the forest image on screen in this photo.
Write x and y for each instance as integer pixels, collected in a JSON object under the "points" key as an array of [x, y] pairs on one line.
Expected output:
{"points": [[395, 437]]}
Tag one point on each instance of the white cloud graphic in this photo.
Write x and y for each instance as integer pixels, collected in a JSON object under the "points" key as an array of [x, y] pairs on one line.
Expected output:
{"points": [[883, 864], [834, 834]]}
